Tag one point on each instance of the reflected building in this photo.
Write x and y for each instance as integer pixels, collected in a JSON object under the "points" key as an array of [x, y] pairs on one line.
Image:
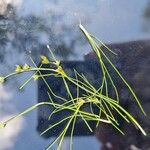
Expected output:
{"points": [[90, 69], [133, 60]]}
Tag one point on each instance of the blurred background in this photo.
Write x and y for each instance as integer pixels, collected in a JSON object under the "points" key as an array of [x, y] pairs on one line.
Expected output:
{"points": [[29, 25]]}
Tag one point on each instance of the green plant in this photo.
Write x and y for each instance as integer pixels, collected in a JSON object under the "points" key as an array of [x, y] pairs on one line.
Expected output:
{"points": [[99, 97]]}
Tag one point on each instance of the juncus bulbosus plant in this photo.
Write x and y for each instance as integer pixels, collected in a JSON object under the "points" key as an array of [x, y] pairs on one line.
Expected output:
{"points": [[100, 98]]}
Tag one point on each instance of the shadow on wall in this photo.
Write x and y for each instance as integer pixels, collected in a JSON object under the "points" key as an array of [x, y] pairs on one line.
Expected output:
{"points": [[134, 60]]}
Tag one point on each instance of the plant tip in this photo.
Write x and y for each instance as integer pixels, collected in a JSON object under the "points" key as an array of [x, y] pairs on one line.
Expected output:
{"points": [[48, 47], [2, 79]]}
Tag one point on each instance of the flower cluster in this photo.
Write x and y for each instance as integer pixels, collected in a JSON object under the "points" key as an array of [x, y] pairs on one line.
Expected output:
{"points": [[35, 77], [61, 71], [20, 68], [44, 60], [2, 125], [26, 67], [56, 63]]}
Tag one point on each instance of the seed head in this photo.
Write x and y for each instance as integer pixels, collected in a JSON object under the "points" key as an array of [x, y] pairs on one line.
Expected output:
{"points": [[35, 77], [26, 67], [57, 63], [60, 71], [2, 79], [44, 60], [80, 102], [18, 68]]}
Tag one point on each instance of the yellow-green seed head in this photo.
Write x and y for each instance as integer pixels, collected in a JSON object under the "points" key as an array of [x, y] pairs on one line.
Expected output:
{"points": [[60, 71], [18, 68], [2, 79], [44, 60], [80, 102], [26, 67], [2, 125], [57, 63], [35, 77]]}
